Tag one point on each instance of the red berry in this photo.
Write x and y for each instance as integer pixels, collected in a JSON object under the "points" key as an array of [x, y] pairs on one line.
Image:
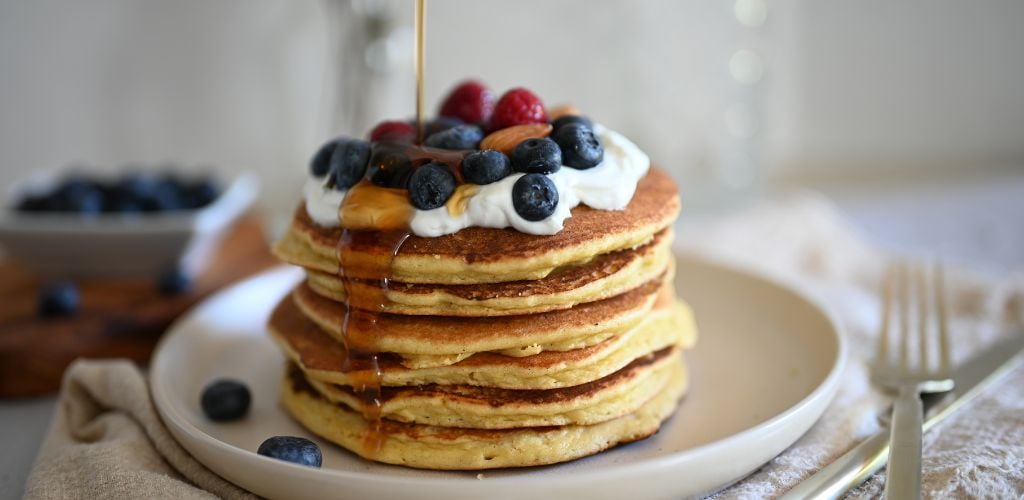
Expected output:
{"points": [[471, 102], [518, 107], [393, 131]]}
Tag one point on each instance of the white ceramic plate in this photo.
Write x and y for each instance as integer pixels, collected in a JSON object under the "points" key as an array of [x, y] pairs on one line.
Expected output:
{"points": [[766, 364]]}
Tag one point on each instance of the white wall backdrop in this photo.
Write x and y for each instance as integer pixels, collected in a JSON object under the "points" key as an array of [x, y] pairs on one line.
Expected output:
{"points": [[253, 84]]}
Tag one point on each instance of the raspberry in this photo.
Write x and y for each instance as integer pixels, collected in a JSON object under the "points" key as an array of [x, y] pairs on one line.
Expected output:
{"points": [[471, 102], [517, 107], [393, 131]]}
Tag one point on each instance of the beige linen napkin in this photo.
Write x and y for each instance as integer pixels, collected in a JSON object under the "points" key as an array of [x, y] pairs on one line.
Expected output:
{"points": [[979, 452], [106, 440]]}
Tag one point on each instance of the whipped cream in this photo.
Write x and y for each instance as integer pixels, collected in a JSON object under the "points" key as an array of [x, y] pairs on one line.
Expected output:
{"points": [[608, 186]]}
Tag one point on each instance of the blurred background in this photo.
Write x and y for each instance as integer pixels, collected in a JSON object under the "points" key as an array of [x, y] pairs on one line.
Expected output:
{"points": [[728, 95]]}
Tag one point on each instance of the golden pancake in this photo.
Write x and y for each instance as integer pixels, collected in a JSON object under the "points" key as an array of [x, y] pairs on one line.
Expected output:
{"points": [[438, 340], [452, 448], [487, 255], [604, 276], [323, 358], [477, 407]]}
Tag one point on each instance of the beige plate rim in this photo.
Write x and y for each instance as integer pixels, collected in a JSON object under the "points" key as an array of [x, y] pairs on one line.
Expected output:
{"points": [[787, 340]]}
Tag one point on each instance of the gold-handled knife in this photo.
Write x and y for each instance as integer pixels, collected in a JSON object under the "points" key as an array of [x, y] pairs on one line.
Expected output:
{"points": [[972, 378]]}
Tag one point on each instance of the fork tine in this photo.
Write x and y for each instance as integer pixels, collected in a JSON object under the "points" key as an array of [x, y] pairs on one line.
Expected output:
{"points": [[940, 292], [923, 310], [882, 356], [904, 313]]}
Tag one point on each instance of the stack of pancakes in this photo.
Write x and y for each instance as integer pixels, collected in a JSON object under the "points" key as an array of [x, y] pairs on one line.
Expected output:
{"points": [[491, 347]]}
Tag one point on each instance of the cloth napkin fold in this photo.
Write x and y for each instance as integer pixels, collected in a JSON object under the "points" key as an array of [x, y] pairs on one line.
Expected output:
{"points": [[107, 441], [979, 451]]}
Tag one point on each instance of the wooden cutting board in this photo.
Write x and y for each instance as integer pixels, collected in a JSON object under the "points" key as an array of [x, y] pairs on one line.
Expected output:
{"points": [[121, 318]]}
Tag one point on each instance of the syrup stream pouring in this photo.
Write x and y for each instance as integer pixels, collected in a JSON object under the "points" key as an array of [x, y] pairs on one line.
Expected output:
{"points": [[359, 327]]}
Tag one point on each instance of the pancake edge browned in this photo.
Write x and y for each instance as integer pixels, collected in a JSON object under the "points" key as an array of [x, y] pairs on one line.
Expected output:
{"points": [[447, 448], [441, 335], [489, 255]]}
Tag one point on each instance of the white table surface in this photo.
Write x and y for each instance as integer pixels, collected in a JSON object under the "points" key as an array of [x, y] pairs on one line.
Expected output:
{"points": [[972, 220]]}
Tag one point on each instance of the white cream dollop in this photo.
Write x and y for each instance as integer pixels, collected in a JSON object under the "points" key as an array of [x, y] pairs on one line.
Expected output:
{"points": [[608, 186], [322, 201]]}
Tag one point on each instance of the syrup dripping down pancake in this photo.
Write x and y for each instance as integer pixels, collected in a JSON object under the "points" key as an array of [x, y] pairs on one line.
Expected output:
{"points": [[439, 340], [603, 277], [488, 255], [453, 448], [323, 358], [478, 407]]}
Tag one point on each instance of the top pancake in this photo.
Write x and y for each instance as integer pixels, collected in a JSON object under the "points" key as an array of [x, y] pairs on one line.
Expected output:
{"points": [[487, 255]]}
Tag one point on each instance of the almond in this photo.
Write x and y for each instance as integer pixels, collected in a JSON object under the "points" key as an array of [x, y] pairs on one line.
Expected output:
{"points": [[506, 139], [563, 110]]}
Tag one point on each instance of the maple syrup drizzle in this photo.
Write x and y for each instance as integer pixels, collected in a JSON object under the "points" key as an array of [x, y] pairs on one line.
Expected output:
{"points": [[359, 326], [421, 21]]}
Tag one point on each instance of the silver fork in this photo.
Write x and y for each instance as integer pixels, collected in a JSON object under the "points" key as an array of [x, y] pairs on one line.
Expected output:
{"points": [[908, 377]]}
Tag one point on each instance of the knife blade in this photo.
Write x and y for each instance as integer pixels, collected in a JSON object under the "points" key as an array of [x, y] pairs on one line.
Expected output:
{"points": [[972, 378]]}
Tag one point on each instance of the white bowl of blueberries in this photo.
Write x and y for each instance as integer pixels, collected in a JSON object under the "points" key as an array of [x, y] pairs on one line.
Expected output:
{"points": [[74, 224]]}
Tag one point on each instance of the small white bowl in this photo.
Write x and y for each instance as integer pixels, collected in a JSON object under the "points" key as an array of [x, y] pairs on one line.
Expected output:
{"points": [[68, 245]]}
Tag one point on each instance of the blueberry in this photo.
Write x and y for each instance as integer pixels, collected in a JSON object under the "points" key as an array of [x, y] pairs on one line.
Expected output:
{"points": [[292, 449], [534, 197], [536, 156], [430, 186], [562, 121], [118, 202], [348, 163], [165, 197], [320, 164], [173, 281], [581, 148], [58, 299], [79, 195], [460, 137], [225, 399], [485, 167], [136, 185], [389, 167], [440, 124], [34, 203], [200, 192]]}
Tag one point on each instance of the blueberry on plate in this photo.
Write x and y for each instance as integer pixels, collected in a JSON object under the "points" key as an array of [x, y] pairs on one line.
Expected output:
{"points": [[460, 137], [348, 163], [537, 156], [389, 167], [581, 148], [225, 399], [564, 120], [173, 281], [292, 449], [534, 197], [430, 186], [485, 167], [58, 299]]}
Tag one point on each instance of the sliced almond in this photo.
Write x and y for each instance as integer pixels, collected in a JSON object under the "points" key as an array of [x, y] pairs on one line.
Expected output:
{"points": [[459, 202], [563, 110], [506, 139]]}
